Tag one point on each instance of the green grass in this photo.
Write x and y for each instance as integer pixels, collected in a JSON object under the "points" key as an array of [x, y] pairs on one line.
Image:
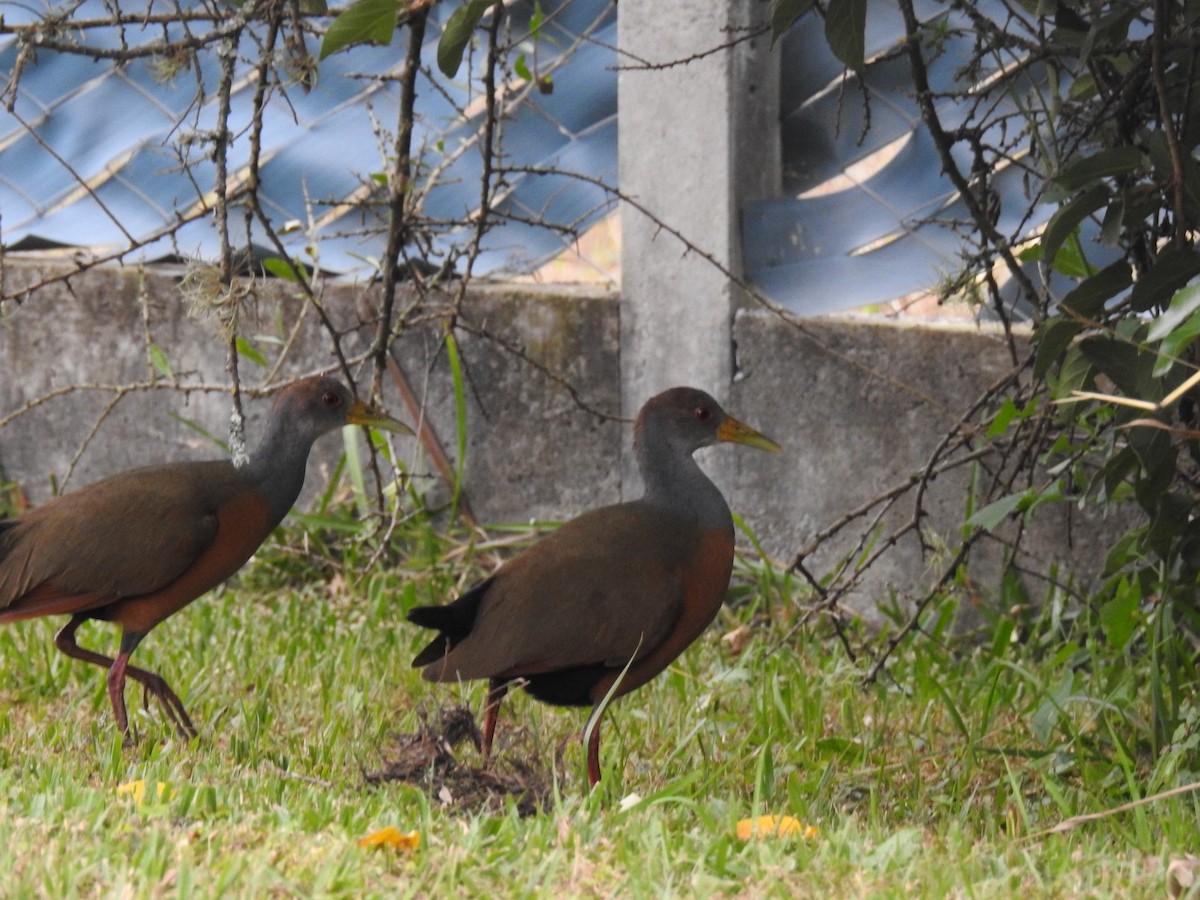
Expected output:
{"points": [[935, 782]]}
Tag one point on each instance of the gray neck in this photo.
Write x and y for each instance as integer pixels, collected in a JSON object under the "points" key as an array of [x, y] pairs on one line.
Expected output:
{"points": [[676, 483], [276, 467]]}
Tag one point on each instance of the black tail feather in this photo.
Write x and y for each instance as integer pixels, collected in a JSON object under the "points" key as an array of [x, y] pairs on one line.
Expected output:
{"points": [[434, 650], [453, 620]]}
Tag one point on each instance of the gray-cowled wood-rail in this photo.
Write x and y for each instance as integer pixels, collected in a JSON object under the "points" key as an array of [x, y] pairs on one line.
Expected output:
{"points": [[138, 546], [611, 598]]}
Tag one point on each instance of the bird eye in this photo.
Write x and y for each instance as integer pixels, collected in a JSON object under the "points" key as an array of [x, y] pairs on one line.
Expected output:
{"points": [[331, 399], [702, 413]]}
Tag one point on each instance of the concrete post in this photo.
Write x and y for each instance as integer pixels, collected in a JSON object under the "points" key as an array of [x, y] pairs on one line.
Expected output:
{"points": [[698, 134]]}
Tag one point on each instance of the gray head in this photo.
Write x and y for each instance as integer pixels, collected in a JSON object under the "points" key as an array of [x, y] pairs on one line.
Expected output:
{"points": [[314, 406], [301, 413], [684, 419]]}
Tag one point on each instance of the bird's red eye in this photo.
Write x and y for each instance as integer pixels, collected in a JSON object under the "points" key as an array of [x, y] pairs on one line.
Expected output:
{"points": [[331, 399], [702, 413]]}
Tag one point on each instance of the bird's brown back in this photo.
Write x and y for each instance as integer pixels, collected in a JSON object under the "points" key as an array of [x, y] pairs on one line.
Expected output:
{"points": [[127, 535], [606, 587]]}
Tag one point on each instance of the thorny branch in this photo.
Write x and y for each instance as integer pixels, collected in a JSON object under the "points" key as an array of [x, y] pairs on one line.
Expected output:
{"points": [[487, 150], [964, 444], [228, 312], [400, 179]]}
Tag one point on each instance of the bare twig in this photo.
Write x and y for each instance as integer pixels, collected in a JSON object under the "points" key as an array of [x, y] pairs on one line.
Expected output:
{"points": [[944, 143], [399, 185], [749, 34], [1076, 821]]}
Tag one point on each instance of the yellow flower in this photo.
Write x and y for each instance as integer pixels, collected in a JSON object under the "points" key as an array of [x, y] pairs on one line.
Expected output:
{"points": [[137, 789], [393, 837], [782, 826]]}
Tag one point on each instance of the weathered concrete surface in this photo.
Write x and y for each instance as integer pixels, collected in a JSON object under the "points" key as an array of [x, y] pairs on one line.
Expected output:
{"points": [[859, 406], [862, 406], [521, 431], [532, 452]]}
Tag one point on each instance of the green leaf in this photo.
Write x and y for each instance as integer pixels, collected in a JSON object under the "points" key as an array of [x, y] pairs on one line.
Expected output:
{"points": [[764, 779], [1071, 262], [1128, 367], [158, 358], [845, 30], [994, 513], [1051, 708], [280, 268], [365, 22], [1075, 372], [1052, 338], [784, 13], [1002, 637], [1087, 299], [1183, 307], [1002, 419], [459, 28], [1118, 468], [1172, 270], [354, 469], [1171, 515], [1082, 88], [250, 352], [1177, 327], [1114, 219], [1158, 459], [1106, 163], [522, 69], [1068, 217], [1125, 551], [1118, 617]]}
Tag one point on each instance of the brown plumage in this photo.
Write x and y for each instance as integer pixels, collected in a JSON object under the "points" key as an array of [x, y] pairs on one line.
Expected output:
{"points": [[621, 589], [137, 547]]}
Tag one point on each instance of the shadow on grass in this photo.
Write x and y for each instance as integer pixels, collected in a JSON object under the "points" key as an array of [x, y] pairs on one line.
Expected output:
{"points": [[426, 759]]}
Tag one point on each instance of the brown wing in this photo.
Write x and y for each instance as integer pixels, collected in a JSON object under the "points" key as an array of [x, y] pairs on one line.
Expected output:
{"points": [[604, 588], [125, 536]]}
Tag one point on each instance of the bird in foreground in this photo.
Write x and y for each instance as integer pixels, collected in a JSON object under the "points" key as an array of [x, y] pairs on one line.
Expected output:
{"points": [[136, 547], [610, 599]]}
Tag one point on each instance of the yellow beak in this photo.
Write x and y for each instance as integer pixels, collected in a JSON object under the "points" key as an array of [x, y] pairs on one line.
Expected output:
{"points": [[362, 413], [740, 433]]}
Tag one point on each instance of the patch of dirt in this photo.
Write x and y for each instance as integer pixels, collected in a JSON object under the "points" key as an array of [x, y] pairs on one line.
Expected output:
{"points": [[426, 759]]}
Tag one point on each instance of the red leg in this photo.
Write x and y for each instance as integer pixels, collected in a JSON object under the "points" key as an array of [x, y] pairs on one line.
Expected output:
{"points": [[116, 690], [593, 745], [154, 684], [497, 688]]}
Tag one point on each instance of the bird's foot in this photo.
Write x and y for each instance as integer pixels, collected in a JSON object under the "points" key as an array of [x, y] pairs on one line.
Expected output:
{"points": [[172, 706]]}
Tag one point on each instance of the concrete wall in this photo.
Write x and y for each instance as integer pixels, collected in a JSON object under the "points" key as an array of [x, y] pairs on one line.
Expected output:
{"points": [[850, 431], [697, 139], [93, 332]]}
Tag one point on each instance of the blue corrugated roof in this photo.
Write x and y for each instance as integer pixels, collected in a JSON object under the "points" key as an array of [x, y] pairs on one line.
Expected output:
{"points": [[125, 133]]}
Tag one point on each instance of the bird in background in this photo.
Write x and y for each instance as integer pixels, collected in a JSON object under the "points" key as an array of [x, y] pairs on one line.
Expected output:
{"points": [[610, 599], [136, 547]]}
